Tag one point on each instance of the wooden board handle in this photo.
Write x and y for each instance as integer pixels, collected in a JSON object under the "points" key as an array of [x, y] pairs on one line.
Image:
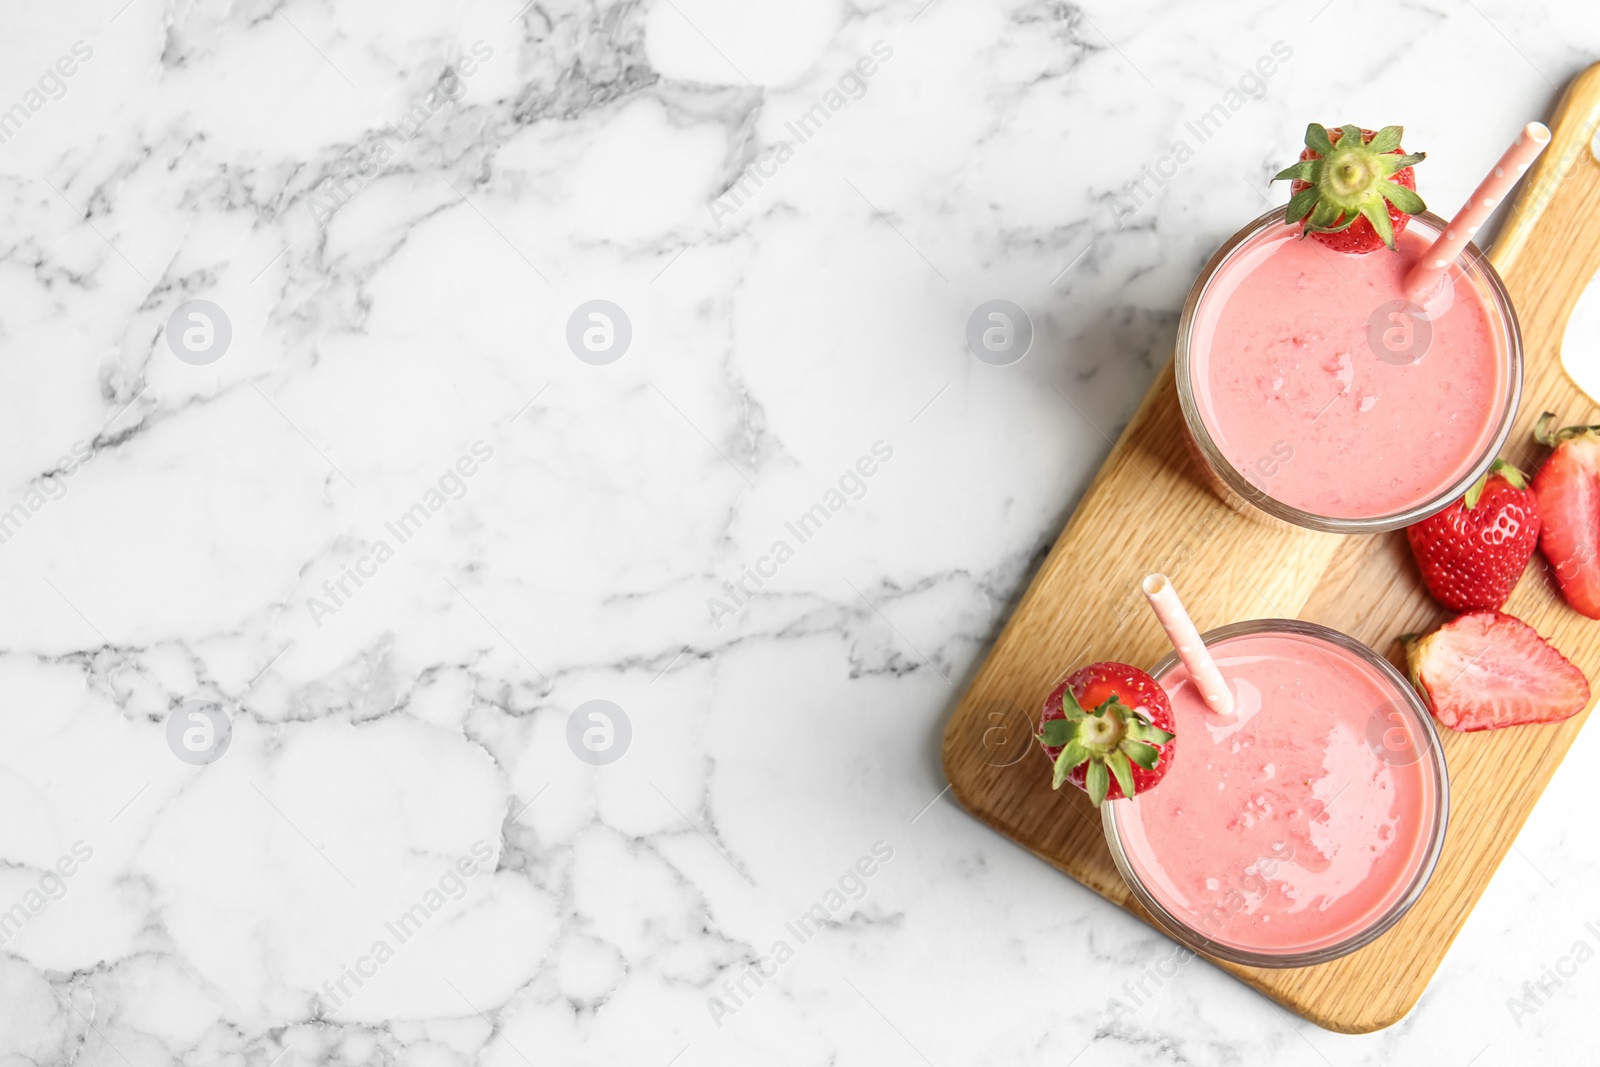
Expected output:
{"points": [[1558, 208]]}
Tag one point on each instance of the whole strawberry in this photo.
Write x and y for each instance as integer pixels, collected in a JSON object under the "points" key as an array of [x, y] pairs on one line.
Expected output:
{"points": [[1568, 489], [1472, 553], [1108, 731], [1353, 189]]}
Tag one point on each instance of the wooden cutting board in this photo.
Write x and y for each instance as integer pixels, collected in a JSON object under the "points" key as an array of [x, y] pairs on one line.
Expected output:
{"points": [[1149, 510]]}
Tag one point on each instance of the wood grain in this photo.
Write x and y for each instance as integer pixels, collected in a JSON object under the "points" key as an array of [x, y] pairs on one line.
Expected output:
{"points": [[1149, 509]]}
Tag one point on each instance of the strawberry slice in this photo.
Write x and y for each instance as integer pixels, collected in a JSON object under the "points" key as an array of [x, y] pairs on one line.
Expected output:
{"points": [[1487, 670], [1568, 490]]}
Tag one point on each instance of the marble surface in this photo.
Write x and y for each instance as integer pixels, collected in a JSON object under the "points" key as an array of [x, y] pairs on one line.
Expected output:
{"points": [[377, 527]]}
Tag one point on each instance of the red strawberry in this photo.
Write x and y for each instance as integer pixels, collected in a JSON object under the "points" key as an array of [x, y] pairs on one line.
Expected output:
{"points": [[1354, 189], [1487, 670], [1108, 730], [1568, 489], [1472, 553]]}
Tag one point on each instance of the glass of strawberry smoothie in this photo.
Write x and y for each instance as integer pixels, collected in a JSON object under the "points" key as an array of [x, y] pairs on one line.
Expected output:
{"points": [[1304, 825], [1314, 390]]}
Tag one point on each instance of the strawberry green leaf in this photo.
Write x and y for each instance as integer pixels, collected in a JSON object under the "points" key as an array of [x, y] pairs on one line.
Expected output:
{"points": [[1511, 474], [1323, 215], [1057, 732], [1141, 729], [1349, 134], [1070, 705], [1378, 215], [1401, 197], [1098, 782], [1305, 170], [1118, 762], [1115, 706], [1400, 163], [1475, 493], [1146, 756], [1300, 204], [1071, 756], [1317, 139], [1387, 139], [1327, 218]]}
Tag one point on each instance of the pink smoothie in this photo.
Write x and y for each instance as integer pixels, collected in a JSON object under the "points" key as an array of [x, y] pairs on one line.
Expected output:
{"points": [[1293, 391], [1282, 830]]}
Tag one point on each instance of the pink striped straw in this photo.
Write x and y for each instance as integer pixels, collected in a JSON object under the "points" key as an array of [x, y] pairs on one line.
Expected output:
{"points": [[1423, 281], [1186, 639]]}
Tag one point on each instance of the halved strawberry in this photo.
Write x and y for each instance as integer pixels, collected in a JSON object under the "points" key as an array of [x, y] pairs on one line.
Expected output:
{"points": [[1108, 731], [1568, 490], [1354, 189], [1487, 670], [1472, 553]]}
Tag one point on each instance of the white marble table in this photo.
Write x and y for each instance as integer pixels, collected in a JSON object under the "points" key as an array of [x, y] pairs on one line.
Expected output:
{"points": [[379, 528]]}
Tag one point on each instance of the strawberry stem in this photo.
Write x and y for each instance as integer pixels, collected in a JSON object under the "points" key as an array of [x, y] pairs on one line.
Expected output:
{"points": [[1545, 436], [1499, 467]]}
